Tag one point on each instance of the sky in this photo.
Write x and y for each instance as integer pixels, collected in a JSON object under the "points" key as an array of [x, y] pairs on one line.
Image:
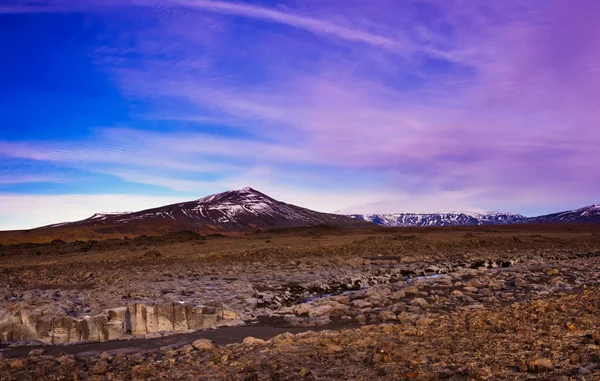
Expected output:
{"points": [[353, 106]]}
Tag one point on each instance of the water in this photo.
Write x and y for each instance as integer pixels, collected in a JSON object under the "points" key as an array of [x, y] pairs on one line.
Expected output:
{"points": [[432, 276]]}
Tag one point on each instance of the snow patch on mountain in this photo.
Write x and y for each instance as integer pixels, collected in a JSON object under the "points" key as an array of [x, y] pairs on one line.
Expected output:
{"points": [[441, 219]]}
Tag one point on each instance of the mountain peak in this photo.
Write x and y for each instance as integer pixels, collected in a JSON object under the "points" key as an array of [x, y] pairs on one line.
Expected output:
{"points": [[233, 210], [592, 207]]}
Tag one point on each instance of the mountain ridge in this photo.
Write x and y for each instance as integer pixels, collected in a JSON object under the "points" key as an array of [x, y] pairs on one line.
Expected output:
{"points": [[233, 210], [587, 214]]}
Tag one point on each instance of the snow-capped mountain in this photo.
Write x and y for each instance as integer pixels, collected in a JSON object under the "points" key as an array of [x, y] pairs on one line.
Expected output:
{"points": [[235, 210], [442, 219], [588, 214]]}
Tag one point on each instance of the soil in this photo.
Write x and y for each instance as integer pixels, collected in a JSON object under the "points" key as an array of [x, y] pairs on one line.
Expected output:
{"points": [[506, 303]]}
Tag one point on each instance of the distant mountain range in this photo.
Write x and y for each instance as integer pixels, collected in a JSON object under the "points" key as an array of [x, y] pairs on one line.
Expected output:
{"points": [[588, 214], [248, 210]]}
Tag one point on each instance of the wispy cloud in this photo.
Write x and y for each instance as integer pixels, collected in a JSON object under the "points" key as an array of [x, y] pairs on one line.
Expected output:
{"points": [[311, 24], [440, 102]]}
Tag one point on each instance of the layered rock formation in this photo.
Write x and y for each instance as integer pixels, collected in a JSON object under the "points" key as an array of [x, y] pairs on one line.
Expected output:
{"points": [[133, 319]]}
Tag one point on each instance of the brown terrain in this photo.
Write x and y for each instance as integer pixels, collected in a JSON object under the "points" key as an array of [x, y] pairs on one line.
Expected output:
{"points": [[506, 302]]}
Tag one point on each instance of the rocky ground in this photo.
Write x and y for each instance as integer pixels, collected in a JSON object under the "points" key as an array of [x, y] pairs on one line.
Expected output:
{"points": [[466, 303]]}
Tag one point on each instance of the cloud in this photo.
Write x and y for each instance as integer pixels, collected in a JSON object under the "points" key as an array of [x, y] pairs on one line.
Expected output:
{"points": [[313, 25], [24, 179], [437, 102]]}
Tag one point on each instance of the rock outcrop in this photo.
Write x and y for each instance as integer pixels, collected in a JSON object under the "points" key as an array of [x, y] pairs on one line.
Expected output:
{"points": [[133, 319]]}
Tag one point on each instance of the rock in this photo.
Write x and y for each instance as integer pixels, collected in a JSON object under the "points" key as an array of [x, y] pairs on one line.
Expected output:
{"points": [[304, 372], [411, 291], [320, 311], [36, 352], [65, 359], [406, 318], [540, 365], [334, 348], [387, 316], [583, 371], [18, 363], [362, 304], [420, 302], [552, 272], [99, 369], [164, 315], [230, 314], [456, 293], [472, 290], [398, 295], [252, 302], [203, 345], [522, 365], [424, 322], [253, 341]]}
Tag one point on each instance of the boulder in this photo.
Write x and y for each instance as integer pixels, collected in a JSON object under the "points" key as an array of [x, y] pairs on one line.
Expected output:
{"points": [[180, 320], [164, 317], [43, 328], [203, 345]]}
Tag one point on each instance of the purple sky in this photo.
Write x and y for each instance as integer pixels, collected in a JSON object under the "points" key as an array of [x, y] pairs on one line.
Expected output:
{"points": [[385, 105]]}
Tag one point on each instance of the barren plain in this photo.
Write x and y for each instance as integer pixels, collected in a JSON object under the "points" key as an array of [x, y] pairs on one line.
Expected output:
{"points": [[322, 303]]}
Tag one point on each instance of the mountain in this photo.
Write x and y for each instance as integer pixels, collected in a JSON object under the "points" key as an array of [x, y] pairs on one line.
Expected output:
{"points": [[442, 219], [588, 214], [233, 211], [237, 210]]}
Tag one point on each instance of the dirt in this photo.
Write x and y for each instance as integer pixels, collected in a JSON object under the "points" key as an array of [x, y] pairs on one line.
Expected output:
{"points": [[513, 302]]}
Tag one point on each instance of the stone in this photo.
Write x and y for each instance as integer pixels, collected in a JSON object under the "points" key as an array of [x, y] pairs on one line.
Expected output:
{"points": [[180, 321], [253, 341], [362, 304], [65, 329], [5, 325], [398, 295], [386, 316], [420, 302], [411, 290], [230, 314], [18, 363], [114, 329], [424, 322], [252, 302], [24, 325], [101, 322], [203, 345], [320, 311], [196, 318], [36, 352], [456, 293], [583, 371], [333, 348], [99, 369], [43, 328], [164, 317], [540, 365]]}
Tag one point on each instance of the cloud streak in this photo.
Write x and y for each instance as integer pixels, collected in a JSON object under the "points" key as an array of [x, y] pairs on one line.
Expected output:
{"points": [[437, 102]]}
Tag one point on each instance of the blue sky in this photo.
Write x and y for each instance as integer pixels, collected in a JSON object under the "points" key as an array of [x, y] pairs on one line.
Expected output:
{"points": [[379, 106]]}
